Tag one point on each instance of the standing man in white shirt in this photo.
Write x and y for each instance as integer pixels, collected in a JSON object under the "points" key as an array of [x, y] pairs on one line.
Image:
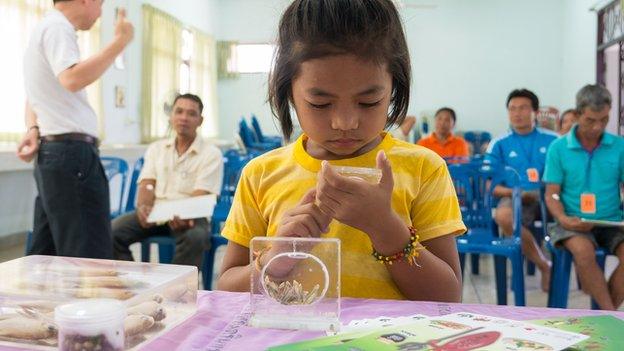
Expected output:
{"points": [[72, 211]]}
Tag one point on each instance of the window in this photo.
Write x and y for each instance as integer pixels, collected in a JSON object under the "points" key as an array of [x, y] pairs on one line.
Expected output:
{"points": [[176, 59], [17, 20], [251, 58], [186, 54]]}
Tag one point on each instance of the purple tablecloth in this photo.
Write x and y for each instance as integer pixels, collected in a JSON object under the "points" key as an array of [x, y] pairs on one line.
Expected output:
{"points": [[220, 321]]}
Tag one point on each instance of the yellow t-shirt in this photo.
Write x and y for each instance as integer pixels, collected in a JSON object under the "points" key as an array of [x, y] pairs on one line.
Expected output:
{"points": [[423, 197]]}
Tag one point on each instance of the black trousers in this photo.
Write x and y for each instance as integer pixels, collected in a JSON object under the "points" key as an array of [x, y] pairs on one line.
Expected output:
{"points": [[72, 208], [189, 244]]}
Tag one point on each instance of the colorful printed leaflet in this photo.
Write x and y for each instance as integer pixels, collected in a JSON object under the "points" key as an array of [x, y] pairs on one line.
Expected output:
{"points": [[453, 332], [605, 332]]}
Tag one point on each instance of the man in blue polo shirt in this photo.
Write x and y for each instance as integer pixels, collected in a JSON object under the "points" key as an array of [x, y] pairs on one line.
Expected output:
{"points": [[524, 149], [584, 171]]}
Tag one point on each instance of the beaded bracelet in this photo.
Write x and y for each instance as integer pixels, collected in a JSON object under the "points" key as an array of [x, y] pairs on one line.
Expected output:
{"points": [[408, 254]]}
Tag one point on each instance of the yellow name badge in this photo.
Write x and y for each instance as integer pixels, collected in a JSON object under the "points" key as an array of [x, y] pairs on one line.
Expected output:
{"points": [[533, 175], [588, 203]]}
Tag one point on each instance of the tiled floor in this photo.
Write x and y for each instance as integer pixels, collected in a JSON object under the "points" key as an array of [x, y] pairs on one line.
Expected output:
{"points": [[477, 288]]}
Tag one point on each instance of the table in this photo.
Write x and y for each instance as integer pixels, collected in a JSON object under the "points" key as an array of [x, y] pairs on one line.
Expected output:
{"points": [[221, 321]]}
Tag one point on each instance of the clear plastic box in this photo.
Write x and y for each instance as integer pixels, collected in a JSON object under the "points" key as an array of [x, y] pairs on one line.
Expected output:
{"points": [[295, 283], [91, 324], [157, 297]]}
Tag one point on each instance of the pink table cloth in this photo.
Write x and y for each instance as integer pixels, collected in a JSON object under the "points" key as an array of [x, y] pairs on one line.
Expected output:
{"points": [[221, 321]]}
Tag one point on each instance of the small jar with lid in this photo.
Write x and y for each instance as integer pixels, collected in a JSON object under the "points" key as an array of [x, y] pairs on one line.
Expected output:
{"points": [[91, 325]]}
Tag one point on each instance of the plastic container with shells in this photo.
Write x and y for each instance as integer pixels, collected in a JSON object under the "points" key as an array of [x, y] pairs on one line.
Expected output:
{"points": [[295, 283], [157, 297]]}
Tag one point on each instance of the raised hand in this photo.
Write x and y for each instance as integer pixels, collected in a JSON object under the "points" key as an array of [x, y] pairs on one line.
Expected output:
{"points": [[124, 30], [306, 220]]}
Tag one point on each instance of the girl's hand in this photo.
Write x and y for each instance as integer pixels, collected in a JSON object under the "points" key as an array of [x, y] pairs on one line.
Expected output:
{"points": [[356, 202], [306, 220]]}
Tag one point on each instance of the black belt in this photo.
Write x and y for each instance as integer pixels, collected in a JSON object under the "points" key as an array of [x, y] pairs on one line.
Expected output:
{"points": [[86, 138]]}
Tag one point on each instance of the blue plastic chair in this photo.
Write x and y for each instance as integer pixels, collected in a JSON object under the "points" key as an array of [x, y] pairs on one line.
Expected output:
{"points": [[477, 139], [474, 162], [249, 139], [261, 137], [116, 167], [474, 188], [113, 167], [233, 166], [560, 275]]}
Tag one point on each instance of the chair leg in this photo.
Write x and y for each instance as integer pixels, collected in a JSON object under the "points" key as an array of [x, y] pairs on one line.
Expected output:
{"points": [[517, 277], [208, 266], [29, 239], [500, 269], [602, 260], [474, 263], [530, 268], [165, 253], [145, 251], [559, 278]]}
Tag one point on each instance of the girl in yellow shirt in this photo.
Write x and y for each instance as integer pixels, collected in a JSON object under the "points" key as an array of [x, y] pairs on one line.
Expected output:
{"points": [[343, 66]]}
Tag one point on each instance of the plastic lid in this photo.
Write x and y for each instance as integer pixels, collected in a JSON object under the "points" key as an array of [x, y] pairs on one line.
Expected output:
{"points": [[92, 311], [361, 171]]}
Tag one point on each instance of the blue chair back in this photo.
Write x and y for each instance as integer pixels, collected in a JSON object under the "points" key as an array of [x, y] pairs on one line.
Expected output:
{"points": [[477, 139], [246, 134], [233, 166], [474, 185], [114, 168], [256, 127], [233, 163], [132, 193]]}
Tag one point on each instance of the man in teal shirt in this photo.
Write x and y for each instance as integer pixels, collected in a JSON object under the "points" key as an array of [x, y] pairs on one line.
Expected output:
{"points": [[584, 171]]}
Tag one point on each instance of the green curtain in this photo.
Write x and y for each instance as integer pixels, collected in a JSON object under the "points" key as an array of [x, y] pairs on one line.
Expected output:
{"points": [[226, 60], [162, 41], [204, 79]]}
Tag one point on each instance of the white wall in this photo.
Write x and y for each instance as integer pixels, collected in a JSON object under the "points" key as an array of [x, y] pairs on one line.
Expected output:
{"points": [[465, 54], [470, 55], [578, 49]]}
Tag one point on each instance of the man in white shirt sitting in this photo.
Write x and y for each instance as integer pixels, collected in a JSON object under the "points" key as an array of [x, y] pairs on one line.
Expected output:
{"points": [[175, 168]]}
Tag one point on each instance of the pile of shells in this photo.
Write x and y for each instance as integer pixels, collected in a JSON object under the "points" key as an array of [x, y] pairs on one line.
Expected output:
{"points": [[288, 293]]}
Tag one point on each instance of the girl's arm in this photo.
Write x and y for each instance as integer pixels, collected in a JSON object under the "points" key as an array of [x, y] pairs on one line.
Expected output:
{"points": [[304, 221], [235, 270], [439, 276]]}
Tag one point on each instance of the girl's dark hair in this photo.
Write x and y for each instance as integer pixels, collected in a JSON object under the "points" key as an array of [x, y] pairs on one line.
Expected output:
{"points": [[369, 29]]}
